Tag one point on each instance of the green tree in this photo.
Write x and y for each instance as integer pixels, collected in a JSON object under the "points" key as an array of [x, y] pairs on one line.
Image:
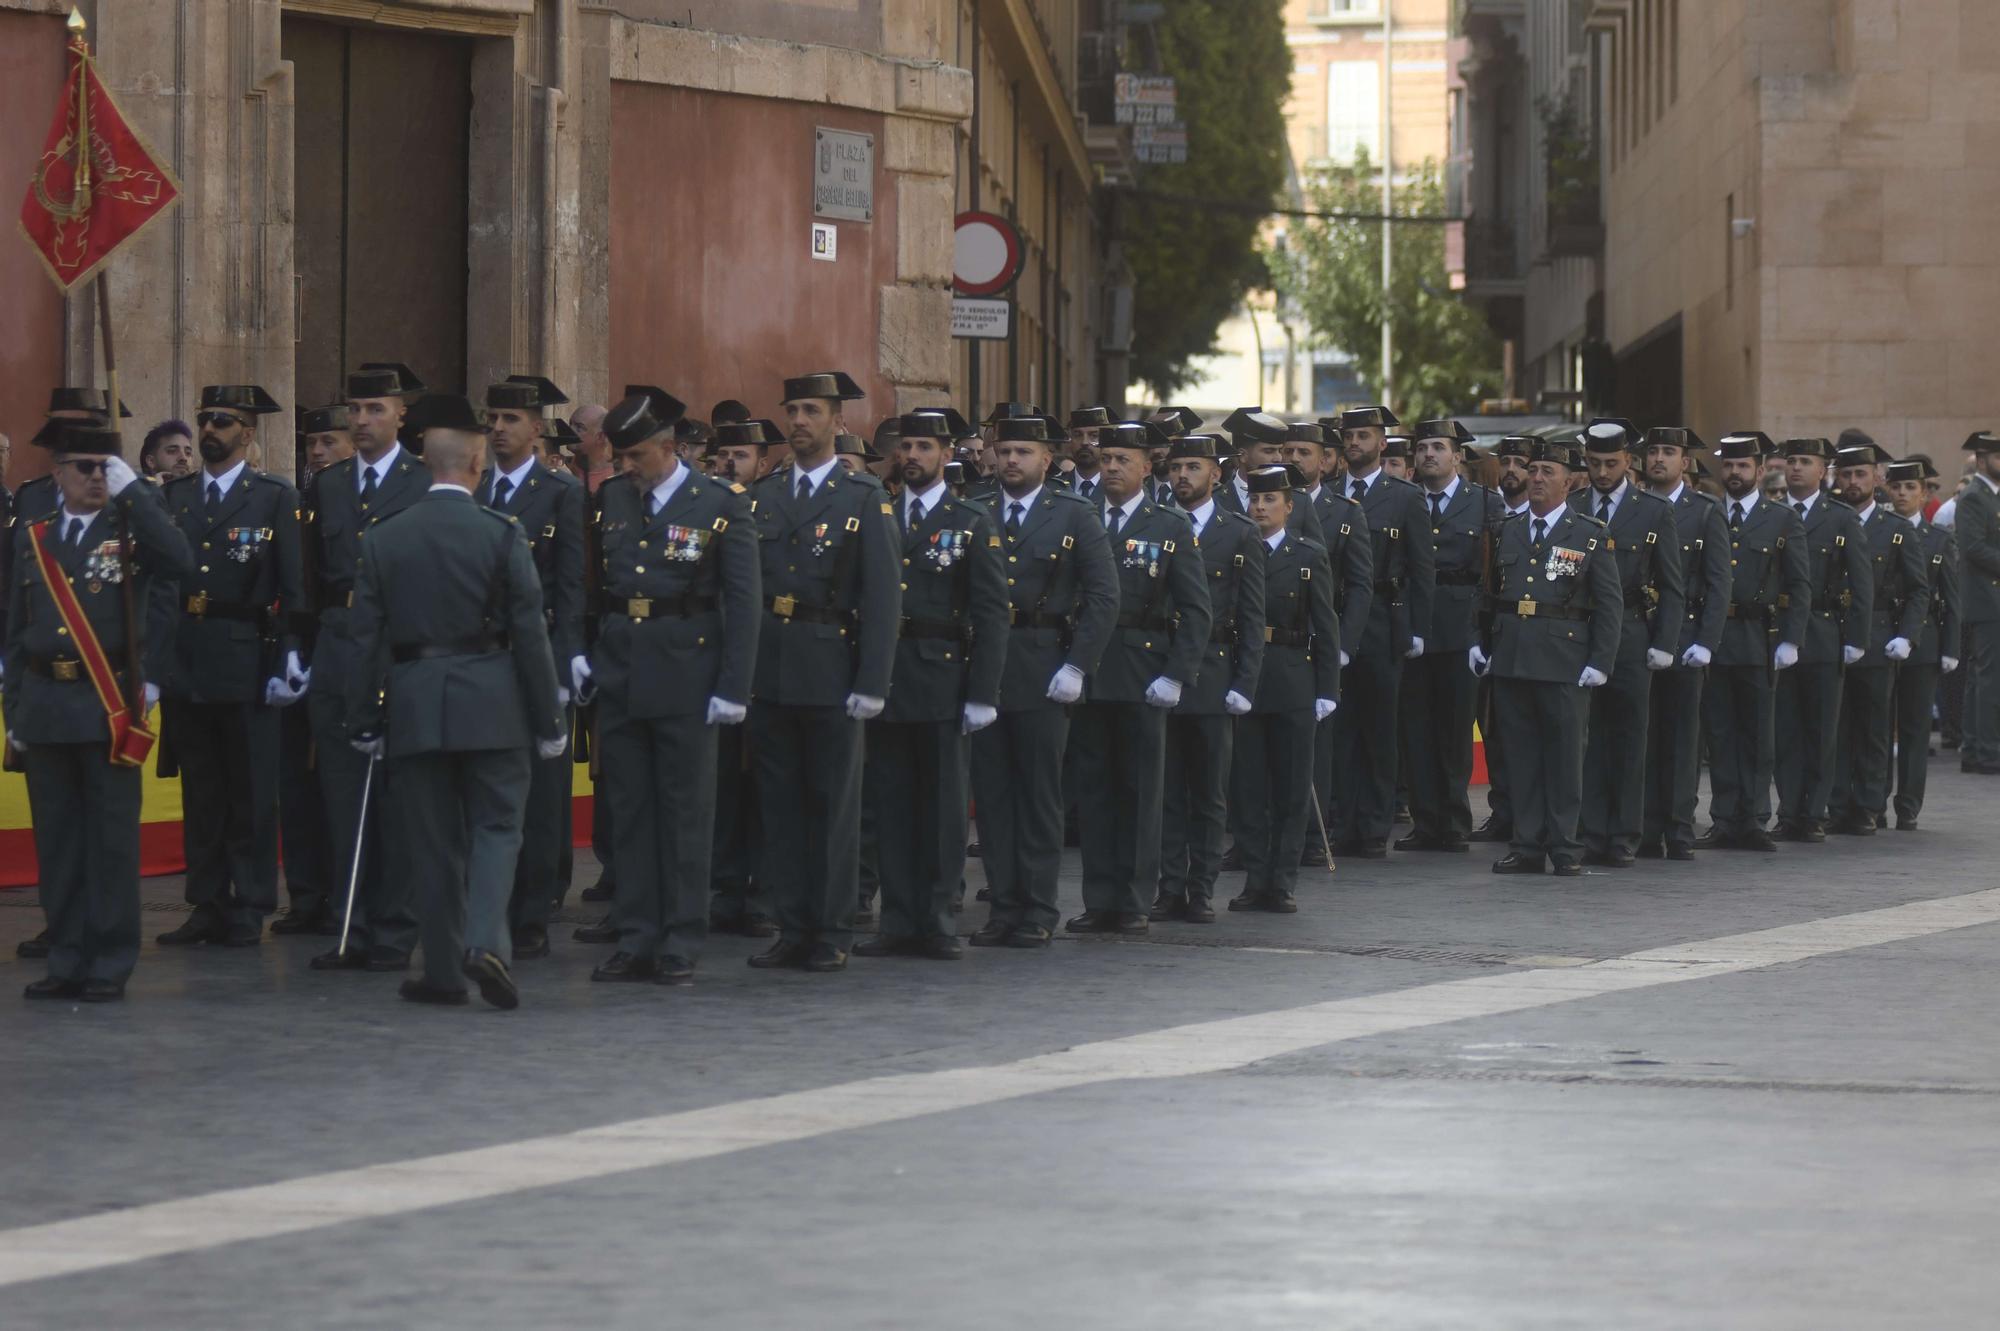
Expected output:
{"points": [[1191, 266], [1330, 270]]}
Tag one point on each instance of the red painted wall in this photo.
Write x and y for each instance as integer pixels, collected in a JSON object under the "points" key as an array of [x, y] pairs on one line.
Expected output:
{"points": [[32, 66], [714, 292]]}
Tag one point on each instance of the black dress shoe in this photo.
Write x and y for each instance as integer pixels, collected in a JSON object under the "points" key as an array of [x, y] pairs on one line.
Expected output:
{"points": [[416, 991], [384, 958], [1615, 858], [825, 958], [781, 955], [983, 894], [601, 932], [333, 959], [1281, 902], [1129, 923], [1232, 859], [1906, 822], [1651, 850], [1518, 863], [1029, 935], [1596, 858], [1168, 908], [623, 968], [1493, 830], [530, 941], [598, 891], [1881, 820], [1091, 922], [1856, 825], [941, 947], [243, 933], [1199, 911], [993, 933], [864, 918], [1567, 869], [102, 991], [1312, 855], [1756, 839], [33, 949], [51, 987], [1714, 839], [495, 981], [295, 922], [881, 945], [672, 970], [1247, 900], [206, 925], [1373, 850], [1414, 841], [1679, 850]]}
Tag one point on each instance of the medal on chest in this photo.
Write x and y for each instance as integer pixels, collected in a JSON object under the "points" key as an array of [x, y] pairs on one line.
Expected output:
{"points": [[104, 564], [945, 548], [1142, 554], [246, 543], [1563, 563], [684, 544]]}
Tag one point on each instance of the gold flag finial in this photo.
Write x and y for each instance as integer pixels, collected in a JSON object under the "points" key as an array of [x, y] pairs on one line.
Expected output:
{"points": [[76, 23]]}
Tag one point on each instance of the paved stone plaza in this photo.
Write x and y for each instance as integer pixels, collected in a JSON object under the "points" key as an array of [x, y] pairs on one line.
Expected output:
{"points": [[1793, 1129]]}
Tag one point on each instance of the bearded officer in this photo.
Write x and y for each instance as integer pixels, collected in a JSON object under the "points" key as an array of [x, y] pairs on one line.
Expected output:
{"points": [[946, 688], [1899, 606], [1770, 593], [1935, 652], [1555, 629], [1836, 636], [1642, 538], [1673, 733], [1298, 686], [339, 508], [235, 662], [107, 541], [1510, 456], [825, 653], [1201, 730], [1976, 529], [454, 684]]}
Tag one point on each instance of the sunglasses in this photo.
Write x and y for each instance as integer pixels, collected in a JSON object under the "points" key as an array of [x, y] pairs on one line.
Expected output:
{"points": [[217, 419], [86, 466]]}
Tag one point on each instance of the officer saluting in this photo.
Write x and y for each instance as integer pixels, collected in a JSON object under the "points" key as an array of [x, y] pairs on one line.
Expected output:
{"points": [[79, 617], [1555, 631], [235, 661], [828, 544], [547, 502], [946, 687], [454, 683]]}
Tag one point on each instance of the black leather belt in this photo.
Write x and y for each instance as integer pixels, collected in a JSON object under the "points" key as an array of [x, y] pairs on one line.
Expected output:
{"points": [[1133, 619], [1640, 602], [1278, 637], [201, 606], [1459, 577], [60, 669], [1540, 610], [789, 608], [405, 652], [1038, 619], [1758, 612], [660, 607], [942, 630]]}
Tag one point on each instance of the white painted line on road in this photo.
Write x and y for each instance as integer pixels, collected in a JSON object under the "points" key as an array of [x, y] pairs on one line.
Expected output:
{"points": [[238, 1215]]}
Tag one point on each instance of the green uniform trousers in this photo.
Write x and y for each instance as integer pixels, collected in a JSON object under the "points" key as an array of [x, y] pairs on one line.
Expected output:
{"points": [[1807, 716], [455, 824], [1542, 726], [228, 753], [1121, 750], [1673, 757], [1273, 796], [659, 777], [1439, 697], [1916, 692], [1194, 803], [809, 792], [1736, 717], [1017, 780], [916, 782], [1861, 754], [86, 815]]}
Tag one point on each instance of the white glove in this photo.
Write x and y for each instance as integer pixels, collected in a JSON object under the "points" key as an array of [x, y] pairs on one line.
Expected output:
{"points": [[864, 708], [373, 748], [1235, 703], [722, 712], [977, 716], [546, 749], [1657, 659], [1066, 685], [152, 695], [296, 674], [15, 744], [1947, 664], [118, 474], [1344, 659], [562, 696], [579, 677], [1163, 692], [1897, 649], [1478, 660], [1786, 656], [1849, 655], [279, 693], [1696, 656], [1591, 678], [1416, 649], [1323, 708]]}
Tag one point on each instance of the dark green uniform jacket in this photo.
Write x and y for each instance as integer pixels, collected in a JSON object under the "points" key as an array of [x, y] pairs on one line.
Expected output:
{"points": [[1163, 614], [1842, 591], [954, 632], [1302, 653], [1901, 579], [1645, 543], [549, 505], [1770, 584], [1559, 605], [235, 604], [1063, 591], [1232, 556], [1704, 538]]}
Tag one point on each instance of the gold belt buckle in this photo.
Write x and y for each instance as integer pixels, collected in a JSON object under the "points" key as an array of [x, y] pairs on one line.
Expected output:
{"points": [[65, 672], [197, 605], [640, 607], [784, 606], [1525, 609], [349, 602], [1270, 634]]}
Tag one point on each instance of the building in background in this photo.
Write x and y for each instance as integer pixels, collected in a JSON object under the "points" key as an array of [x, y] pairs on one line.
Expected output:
{"points": [[704, 194], [1740, 212]]}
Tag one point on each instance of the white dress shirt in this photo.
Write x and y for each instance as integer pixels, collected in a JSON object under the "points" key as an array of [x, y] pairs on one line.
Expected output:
{"points": [[380, 466], [225, 481], [513, 478], [929, 499]]}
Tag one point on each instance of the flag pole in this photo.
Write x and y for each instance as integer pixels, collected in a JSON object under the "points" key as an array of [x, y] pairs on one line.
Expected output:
{"points": [[81, 45]]}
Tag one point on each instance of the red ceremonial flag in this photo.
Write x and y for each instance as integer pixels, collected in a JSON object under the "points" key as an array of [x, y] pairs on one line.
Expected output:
{"points": [[97, 184]]}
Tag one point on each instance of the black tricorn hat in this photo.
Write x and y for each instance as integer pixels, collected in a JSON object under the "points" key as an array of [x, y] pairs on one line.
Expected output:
{"points": [[1020, 429], [1360, 417], [728, 410], [692, 430], [383, 378], [1516, 446], [1089, 418], [641, 416], [1745, 444], [1256, 425], [755, 433], [1133, 434], [1011, 411], [855, 447], [444, 411], [1610, 434], [1306, 432], [826, 383], [1279, 479], [1862, 455], [1443, 428], [1673, 436], [1545, 450], [1397, 446], [1206, 446], [1810, 448], [1981, 441], [74, 398], [324, 420], [90, 438], [560, 433], [1176, 420], [956, 426], [920, 425], [524, 392], [889, 433], [250, 399], [666, 406], [1910, 469]]}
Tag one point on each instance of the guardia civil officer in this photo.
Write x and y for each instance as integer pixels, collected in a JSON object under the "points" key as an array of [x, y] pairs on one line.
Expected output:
{"points": [[1807, 701], [1298, 686], [1163, 623], [1201, 730], [677, 608], [80, 574], [1899, 606], [1439, 693], [1641, 536], [946, 688], [1770, 592], [827, 543], [1935, 651], [1084, 424], [547, 503], [1555, 628], [1511, 462], [454, 685], [235, 662], [1673, 732], [1977, 531], [1063, 590], [339, 508], [1364, 732]]}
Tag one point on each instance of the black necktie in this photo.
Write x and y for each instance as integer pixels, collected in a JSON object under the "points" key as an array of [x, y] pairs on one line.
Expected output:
{"points": [[1604, 508], [805, 487], [1736, 517], [367, 485], [503, 489], [1437, 508], [73, 533], [1360, 489], [1013, 519], [1086, 489], [652, 504], [1117, 521], [1800, 506], [214, 496], [916, 514], [1541, 531]]}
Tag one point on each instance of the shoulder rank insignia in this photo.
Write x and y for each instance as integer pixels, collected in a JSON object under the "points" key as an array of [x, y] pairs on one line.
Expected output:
{"points": [[888, 511]]}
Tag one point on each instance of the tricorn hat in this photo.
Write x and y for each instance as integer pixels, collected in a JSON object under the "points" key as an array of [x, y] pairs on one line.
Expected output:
{"points": [[1306, 432], [1196, 445], [1673, 436], [561, 434], [444, 411], [90, 438], [827, 383], [921, 425], [1362, 417], [1981, 441], [758, 432], [1516, 446], [727, 410], [249, 399], [324, 420], [1745, 444], [1444, 428], [1255, 425], [384, 378], [1274, 480], [1131, 434], [1862, 455], [1811, 448], [640, 416], [1176, 421], [1089, 418], [855, 447], [73, 398], [524, 392], [1019, 429], [1910, 469], [1010, 411]]}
